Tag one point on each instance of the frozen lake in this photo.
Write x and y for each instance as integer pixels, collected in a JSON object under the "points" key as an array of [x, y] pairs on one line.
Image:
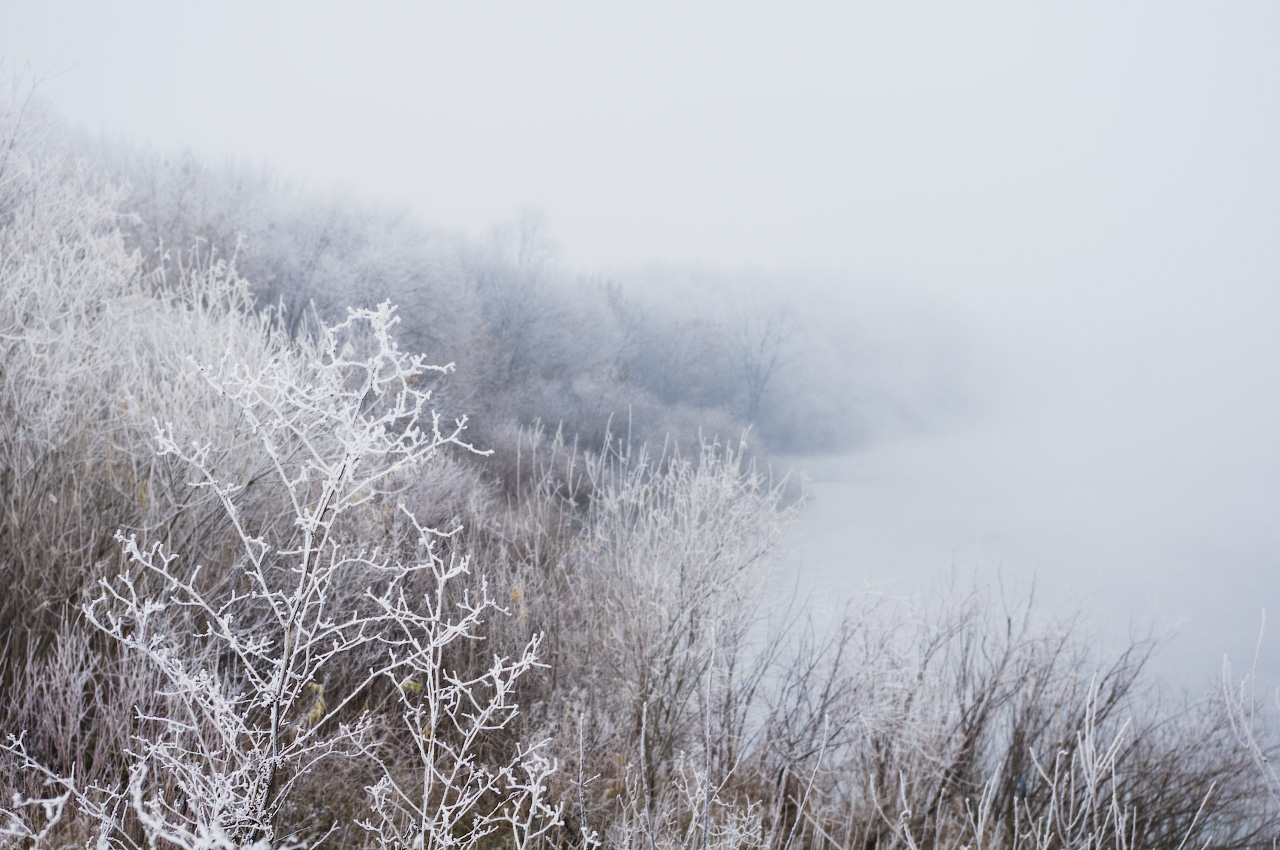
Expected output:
{"points": [[1105, 517]]}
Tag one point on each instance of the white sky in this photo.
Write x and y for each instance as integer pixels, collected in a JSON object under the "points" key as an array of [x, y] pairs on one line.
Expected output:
{"points": [[989, 144]]}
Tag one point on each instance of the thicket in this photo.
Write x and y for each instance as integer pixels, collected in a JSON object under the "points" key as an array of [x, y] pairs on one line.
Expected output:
{"points": [[257, 592]]}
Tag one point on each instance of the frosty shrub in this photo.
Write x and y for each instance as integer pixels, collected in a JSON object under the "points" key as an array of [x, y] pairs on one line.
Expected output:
{"points": [[646, 571], [1253, 718], [248, 708], [90, 350], [657, 560]]}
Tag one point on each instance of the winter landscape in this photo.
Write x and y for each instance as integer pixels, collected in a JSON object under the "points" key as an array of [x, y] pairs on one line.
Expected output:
{"points": [[702, 426]]}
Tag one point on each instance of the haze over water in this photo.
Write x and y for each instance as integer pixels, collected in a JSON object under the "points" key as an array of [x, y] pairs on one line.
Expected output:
{"points": [[1155, 521]]}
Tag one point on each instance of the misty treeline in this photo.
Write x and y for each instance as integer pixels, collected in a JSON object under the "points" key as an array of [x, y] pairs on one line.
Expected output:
{"points": [[258, 592], [656, 351]]}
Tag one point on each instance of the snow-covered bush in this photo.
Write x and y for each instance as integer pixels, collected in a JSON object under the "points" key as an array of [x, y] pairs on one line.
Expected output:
{"points": [[248, 703], [91, 348]]}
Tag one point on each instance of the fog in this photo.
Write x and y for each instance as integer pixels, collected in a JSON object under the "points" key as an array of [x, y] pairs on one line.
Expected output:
{"points": [[1087, 195]]}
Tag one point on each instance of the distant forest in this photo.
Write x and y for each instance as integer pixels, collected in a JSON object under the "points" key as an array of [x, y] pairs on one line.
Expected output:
{"points": [[656, 353]]}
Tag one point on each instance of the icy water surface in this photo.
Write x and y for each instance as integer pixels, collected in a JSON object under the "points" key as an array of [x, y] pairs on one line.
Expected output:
{"points": [[1138, 538]]}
